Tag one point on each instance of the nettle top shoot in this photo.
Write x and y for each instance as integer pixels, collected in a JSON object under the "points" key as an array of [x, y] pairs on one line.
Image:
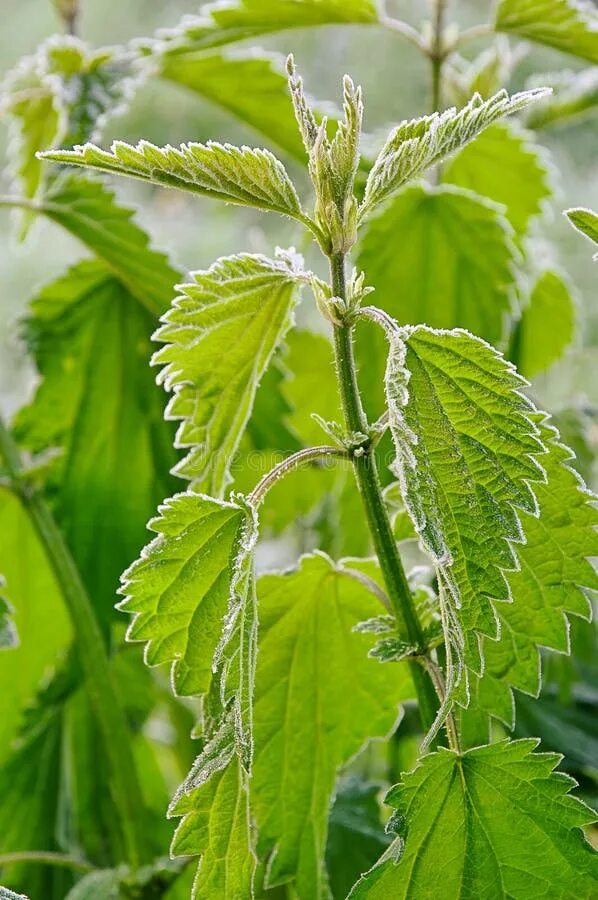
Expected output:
{"points": [[484, 483]]}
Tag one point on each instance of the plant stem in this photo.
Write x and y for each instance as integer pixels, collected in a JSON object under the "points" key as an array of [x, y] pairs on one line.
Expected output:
{"points": [[92, 652], [289, 465], [437, 55], [368, 482], [46, 858]]}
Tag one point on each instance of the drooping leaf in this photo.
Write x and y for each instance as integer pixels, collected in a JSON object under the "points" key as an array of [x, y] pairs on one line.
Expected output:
{"points": [[179, 589], [216, 826], [466, 449], [98, 405], [553, 571], [356, 837], [496, 821], [237, 20], [575, 96], [220, 335], [252, 88], [64, 94], [567, 25], [481, 165], [237, 174], [416, 145], [586, 221], [546, 326], [39, 615], [87, 209], [318, 699], [424, 257], [8, 632]]}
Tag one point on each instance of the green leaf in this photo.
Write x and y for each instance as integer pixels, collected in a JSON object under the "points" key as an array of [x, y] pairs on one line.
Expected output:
{"points": [[8, 632], [466, 448], [252, 88], [220, 335], [216, 826], [64, 94], [414, 146], [586, 221], [104, 884], [98, 404], [356, 837], [39, 615], [574, 97], [553, 572], [236, 174], [318, 700], [180, 589], [87, 210], [546, 326], [5, 894], [493, 822], [567, 25], [424, 256], [480, 167]]}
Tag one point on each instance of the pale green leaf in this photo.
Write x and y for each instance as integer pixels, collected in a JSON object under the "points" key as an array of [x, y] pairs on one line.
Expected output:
{"points": [[546, 326], [5, 894], [99, 406], [64, 94], [87, 209], [181, 588], [567, 25], [574, 97], [496, 821], [553, 570], [104, 884], [219, 337], [8, 632], [466, 449], [480, 167], [237, 174], [318, 699], [216, 826], [252, 88], [416, 145], [586, 221], [441, 256]]}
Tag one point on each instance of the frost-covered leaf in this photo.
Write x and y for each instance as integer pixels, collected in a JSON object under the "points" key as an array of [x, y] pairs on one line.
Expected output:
{"points": [[546, 326], [64, 94], [181, 588], [98, 404], [318, 699], [416, 145], [554, 570], [440, 256], [89, 211], [237, 174], [480, 167], [252, 88], [237, 20], [219, 337], [216, 826], [8, 632], [466, 449], [567, 25], [575, 95], [496, 821], [586, 221], [6, 894]]}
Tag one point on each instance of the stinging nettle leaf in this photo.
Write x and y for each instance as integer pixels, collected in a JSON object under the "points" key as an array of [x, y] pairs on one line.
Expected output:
{"points": [[220, 335], [585, 221], [567, 25], [574, 97], [546, 327], [466, 447], [8, 632], [496, 821], [318, 700], [416, 145], [240, 175]]}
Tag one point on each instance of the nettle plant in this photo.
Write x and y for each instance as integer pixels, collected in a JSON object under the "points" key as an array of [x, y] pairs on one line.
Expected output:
{"points": [[435, 444], [334, 646]]}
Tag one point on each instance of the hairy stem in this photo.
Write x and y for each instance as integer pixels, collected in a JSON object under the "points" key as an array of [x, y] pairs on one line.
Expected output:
{"points": [[309, 455], [366, 473], [437, 55], [46, 858], [92, 652]]}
